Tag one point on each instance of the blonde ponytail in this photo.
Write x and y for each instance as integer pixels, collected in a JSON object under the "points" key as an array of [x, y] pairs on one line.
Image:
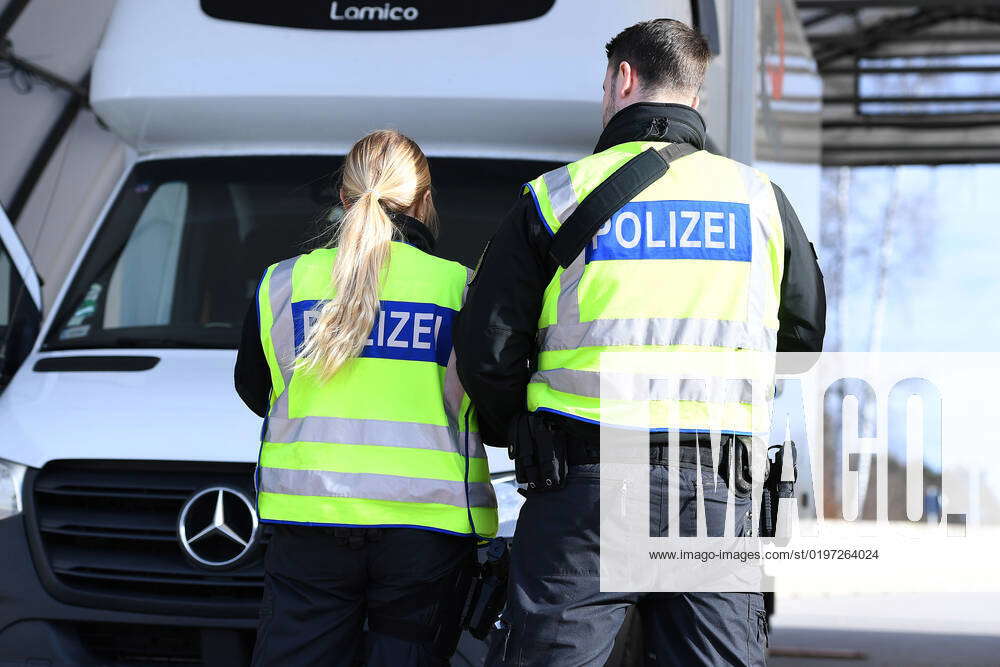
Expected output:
{"points": [[385, 171]]}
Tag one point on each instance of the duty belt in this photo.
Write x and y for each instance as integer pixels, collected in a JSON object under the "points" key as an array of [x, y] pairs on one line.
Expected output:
{"points": [[692, 452]]}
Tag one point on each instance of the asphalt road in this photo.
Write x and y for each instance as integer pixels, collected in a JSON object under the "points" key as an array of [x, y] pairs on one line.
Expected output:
{"points": [[900, 630], [812, 647]]}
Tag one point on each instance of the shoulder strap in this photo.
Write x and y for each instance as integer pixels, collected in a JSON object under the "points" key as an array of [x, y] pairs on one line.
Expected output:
{"points": [[617, 190]]}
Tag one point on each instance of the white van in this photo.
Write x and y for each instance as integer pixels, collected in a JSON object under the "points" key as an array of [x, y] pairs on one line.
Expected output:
{"points": [[120, 430]]}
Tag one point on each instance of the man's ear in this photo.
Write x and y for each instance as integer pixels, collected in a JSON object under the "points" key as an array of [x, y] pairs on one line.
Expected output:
{"points": [[626, 82], [696, 101]]}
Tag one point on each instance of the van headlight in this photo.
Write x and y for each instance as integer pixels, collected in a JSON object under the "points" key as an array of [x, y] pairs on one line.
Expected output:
{"points": [[11, 481], [509, 502]]}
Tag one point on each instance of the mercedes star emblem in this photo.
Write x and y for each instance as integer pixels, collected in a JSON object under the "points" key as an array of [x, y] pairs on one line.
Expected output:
{"points": [[217, 527]]}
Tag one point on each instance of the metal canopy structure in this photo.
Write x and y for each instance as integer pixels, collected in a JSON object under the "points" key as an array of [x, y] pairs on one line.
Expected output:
{"points": [[907, 81]]}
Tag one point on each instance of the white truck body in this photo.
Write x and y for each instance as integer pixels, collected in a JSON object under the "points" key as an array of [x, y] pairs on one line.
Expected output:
{"points": [[189, 92]]}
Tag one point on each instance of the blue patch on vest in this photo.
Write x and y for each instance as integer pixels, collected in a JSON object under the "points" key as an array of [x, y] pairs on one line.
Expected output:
{"points": [[404, 330], [675, 229]]}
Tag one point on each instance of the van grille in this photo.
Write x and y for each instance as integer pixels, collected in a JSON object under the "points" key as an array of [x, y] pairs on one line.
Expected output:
{"points": [[105, 535]]}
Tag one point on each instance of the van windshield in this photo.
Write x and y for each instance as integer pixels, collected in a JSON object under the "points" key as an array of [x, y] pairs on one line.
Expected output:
{"points": [[181, 252]]}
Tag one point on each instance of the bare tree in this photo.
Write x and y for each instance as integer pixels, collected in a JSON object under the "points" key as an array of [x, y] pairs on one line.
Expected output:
{"points": [[833, 244], [867, 257]]}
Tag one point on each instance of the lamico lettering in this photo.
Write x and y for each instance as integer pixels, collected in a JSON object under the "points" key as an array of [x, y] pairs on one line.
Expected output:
{"points": [[386, 12]]}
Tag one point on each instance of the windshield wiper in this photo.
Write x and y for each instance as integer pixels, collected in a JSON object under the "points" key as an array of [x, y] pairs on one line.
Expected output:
{"points": [[132, 342], [163, 341]]}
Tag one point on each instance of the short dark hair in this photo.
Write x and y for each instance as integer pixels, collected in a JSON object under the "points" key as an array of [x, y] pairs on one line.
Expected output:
{"points": [[665, 53]]}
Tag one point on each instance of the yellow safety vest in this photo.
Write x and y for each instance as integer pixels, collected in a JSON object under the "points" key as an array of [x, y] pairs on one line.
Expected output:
{"points": [[693, 264], [383, 442]]}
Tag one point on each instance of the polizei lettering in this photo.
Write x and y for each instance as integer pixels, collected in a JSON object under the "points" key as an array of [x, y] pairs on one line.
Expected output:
{"points": [[403, 330], [675, 230], [386, 12]]}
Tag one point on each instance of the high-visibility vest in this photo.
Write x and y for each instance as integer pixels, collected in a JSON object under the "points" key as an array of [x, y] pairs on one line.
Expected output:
{"points": [[693, 264], [383, 442]]}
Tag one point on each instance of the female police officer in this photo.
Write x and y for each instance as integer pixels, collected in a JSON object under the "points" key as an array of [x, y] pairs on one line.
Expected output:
{"points": [[365, 467]]}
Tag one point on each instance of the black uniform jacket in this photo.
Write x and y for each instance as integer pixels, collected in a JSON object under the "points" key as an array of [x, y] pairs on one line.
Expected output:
{"points": [[496, 331], [252, 375]]}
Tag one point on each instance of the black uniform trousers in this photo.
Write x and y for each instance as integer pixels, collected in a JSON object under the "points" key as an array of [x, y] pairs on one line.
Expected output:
{"points": [[321, 584], [557, 615]]}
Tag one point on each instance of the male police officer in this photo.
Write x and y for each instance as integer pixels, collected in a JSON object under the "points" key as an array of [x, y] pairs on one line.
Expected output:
{"points": [[709, 255]]}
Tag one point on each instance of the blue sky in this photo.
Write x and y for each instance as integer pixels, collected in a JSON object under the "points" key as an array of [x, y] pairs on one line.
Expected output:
{"points": [[944, 277]]}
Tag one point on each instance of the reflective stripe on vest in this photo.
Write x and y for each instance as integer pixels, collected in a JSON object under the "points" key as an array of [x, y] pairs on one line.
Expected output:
{"points": [[383, 442], [730, 201], [626, 387], [373, 486]]}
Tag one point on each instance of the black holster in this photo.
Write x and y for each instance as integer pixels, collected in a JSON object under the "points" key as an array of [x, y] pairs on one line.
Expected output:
{"points": [[538, 450], [735, 454], [489, 593], [775, 488]]}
